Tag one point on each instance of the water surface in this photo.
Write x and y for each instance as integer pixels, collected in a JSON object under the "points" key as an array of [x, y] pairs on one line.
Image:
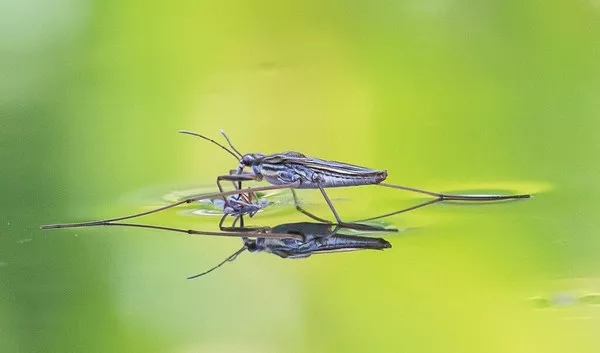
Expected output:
{"points": [[445, 95]]}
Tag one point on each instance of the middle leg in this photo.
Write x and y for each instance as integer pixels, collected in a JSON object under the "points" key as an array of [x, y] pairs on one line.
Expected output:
{"points": [[309, 214]]}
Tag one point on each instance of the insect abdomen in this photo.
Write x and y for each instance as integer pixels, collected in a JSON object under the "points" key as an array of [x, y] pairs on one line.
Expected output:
{"points": [[332, 180], [312, 178]]}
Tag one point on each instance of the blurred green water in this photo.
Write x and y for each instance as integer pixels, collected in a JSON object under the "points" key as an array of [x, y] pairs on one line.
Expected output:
{"points": [[446, 95]]}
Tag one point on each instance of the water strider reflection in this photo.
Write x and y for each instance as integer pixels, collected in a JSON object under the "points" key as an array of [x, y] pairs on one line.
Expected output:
{"points": [[315, 238]]}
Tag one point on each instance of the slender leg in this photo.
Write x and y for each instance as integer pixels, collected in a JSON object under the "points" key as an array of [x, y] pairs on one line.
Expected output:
{"points": [[234, 229], [235, 220], [445, 197], [335, 214], [366, 227], [241, 228], [340, 223], [233, 178], [245, 232], [159, 209], [238, 186], [423, 204], [243, 173], [299, 208], [246, 176], [442, 197], [358, 226], [237, 172], [334, 231], [221, 227]]}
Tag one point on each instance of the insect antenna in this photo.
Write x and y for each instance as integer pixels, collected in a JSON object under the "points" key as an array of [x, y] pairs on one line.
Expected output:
{"points": [[230, 144], [213, 141], [229, 259]]}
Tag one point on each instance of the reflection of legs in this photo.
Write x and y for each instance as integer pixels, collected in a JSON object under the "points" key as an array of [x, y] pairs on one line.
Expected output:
{"points": [[367, 228], [249, 234], [240, 229], [334, 231], [299, 208]]}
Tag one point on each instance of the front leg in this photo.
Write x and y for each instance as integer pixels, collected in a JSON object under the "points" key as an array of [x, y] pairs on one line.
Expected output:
{"points": [[337, 216], [233, 178], [236, 177]]}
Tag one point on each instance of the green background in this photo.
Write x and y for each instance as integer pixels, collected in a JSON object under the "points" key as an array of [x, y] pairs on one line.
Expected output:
{"points": [[447, 95]]}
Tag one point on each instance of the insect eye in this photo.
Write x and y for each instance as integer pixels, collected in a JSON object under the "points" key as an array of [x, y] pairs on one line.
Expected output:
{"points": [[247, 159], [250, 158]]}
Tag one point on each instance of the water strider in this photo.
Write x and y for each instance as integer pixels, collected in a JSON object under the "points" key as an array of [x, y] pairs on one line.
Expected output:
{"points": [[293, 170]]}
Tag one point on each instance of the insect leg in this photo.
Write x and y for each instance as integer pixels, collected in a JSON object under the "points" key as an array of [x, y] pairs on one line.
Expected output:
{"points": [[337, 217], [221, 227], [340, 223], [233, 178], [334, 231], [244, 233], [241, 228], [445, 197], [236, 178], [235, 220], [236, 172], [423, 204], [299, 208], [159, 209]]}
